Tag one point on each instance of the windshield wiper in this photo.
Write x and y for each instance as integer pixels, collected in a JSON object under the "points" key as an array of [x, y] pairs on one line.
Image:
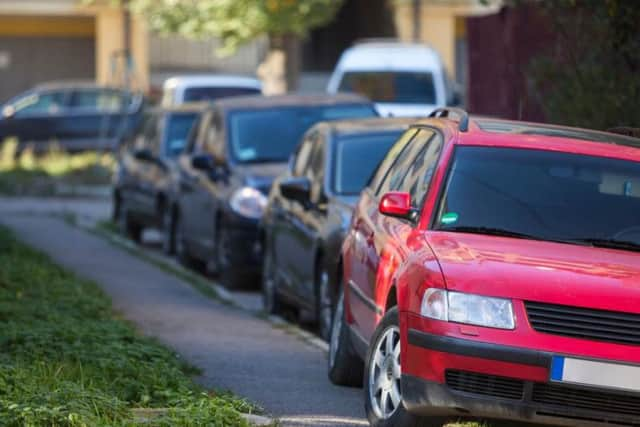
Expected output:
{"points": [[609, 243], [490, 231]]}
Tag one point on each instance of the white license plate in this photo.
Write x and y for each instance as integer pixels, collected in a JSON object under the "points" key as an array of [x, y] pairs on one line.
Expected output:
{"points": [[595, 373]]}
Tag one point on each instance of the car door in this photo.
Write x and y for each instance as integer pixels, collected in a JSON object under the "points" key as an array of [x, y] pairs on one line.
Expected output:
{"points": [[306, 221], [34, 117], [284, 229], [383, 252]]}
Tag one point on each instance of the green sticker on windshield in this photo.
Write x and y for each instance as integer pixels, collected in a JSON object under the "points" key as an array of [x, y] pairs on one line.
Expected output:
{"points": [[449, 218]]}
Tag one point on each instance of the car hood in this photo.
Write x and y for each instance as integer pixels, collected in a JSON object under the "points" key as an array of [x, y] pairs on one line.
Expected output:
{"points": [[260, 176], [530, 270], [404, 110]]}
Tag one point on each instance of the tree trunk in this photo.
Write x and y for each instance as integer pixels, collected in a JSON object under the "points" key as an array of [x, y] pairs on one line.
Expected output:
{"points": [[280, 69]]}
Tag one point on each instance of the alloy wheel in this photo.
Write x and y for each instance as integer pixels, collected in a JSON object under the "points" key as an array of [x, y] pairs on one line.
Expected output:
{"points": [[385, 372], [168, 231]]}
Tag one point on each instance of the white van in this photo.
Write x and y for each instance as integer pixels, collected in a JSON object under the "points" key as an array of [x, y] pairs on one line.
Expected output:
{"points": [[402, 79], [180, 89]]}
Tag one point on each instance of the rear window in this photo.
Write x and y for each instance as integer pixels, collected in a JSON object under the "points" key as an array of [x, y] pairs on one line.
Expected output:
{"points": [[356, 158], [542, 194], [403, 87], [195, 94]]}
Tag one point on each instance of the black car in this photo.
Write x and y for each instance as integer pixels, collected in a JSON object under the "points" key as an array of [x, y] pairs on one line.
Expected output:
{"points": [[145, 181], [241, 145], [75, 116], [309, 211]]}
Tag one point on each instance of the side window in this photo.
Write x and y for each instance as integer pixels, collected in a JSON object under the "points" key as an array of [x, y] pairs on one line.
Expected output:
{"points": [[303, 157], [98, 100], [418, 177], [397, 172], [39, 104], [390, 159]]}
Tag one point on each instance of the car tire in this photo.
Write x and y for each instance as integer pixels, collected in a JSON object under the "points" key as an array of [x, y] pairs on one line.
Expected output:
{"points": [[126, 225], [229, 274], [168, 230], [324, 302], [182, 249], [345, 367], [270, 299], [382, 378]]}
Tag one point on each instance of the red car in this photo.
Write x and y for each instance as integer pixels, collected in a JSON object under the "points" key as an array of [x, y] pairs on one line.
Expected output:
{"points": [[492, 270]]}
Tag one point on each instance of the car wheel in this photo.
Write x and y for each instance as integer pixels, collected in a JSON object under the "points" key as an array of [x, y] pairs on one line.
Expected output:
{"points": [[182, 250], [126, 225], [230, 275], [324, 303], [168, 231], [270, 300], [345, 368], [382, 381]]}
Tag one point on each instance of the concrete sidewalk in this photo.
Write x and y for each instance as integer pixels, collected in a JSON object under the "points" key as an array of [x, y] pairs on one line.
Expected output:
{"points": [[236, 350]]}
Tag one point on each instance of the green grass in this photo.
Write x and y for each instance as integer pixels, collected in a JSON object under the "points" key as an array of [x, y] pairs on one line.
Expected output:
{"points": [[67, 360], [53, 172]]}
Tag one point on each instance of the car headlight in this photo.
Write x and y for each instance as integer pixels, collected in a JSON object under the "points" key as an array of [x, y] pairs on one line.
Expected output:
{"points": [[470, 309], [248, 202]]}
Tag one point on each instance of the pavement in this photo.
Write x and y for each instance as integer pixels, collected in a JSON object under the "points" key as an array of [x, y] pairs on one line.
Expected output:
{"points": [[235, 349]]}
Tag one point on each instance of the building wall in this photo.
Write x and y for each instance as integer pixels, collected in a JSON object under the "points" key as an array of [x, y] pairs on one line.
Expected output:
{"points": [[501, 47]]}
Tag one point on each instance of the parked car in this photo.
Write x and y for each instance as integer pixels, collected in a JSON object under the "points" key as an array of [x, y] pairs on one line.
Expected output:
{"points": [[76, 116], [145, 180], [492, 270], [241, 145], [196, 88], [403, 79], [309, 210]]}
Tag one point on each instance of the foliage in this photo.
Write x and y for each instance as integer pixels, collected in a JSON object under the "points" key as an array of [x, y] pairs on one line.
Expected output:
{"points": [[589, 77], [65, 360], [235, 21]]}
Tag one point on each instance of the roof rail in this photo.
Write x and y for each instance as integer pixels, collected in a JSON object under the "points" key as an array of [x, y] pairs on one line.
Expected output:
{"points": [[463, 116]]}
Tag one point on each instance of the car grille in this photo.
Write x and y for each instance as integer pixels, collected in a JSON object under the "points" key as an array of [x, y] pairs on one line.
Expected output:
{"points": [[599, 401], [597, 325], [488, 385]]}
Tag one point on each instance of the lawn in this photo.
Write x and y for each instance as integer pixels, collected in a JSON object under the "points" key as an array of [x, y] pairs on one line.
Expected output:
{"points": [[67, 360], [53, 172]]}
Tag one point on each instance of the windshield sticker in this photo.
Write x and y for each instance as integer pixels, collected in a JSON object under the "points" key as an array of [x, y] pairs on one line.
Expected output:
{"points": [[449, 218]]}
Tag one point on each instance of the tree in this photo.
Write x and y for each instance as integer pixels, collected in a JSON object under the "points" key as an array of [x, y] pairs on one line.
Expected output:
{"points": [[236, 22]]}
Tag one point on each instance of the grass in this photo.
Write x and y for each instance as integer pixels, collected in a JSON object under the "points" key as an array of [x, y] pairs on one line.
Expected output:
{"points": [[53, 172], [67, 360]]}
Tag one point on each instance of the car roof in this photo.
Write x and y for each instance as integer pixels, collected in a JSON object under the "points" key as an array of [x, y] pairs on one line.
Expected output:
{"points": [[221, 80], [484, 131], [380, 55], [366, 125], [259, 102]]}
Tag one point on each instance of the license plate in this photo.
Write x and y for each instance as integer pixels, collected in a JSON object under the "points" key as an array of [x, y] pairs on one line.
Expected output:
{"points": [[595, 373]]}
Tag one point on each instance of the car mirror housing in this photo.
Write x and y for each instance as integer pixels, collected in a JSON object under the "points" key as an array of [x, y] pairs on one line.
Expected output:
{"points": [[296, 188], [396, 204], [203, 162]]}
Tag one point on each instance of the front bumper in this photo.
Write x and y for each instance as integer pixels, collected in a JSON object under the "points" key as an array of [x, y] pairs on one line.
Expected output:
{"points": [[245, 243], [501, 382]]}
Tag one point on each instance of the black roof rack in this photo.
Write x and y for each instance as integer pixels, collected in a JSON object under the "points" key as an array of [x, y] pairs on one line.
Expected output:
{"points": [[463, 116]]}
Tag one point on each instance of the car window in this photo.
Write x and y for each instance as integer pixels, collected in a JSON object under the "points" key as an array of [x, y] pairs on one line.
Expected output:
{"points": [[40, 103], [383, 169], [209, 93], [356, 156], [418, 177], [99, 100], [544, 194], [394, 179], [406, 87], [177, 129]]}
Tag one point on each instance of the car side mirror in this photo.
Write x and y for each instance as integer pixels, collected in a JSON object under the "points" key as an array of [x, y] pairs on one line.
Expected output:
{"points": [[8, 112], [203, 162], [396, 204], [144, 155], [296, 188]]}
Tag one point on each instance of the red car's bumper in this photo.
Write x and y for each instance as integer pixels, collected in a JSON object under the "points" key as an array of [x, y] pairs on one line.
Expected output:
{"points": [[453, 370]]}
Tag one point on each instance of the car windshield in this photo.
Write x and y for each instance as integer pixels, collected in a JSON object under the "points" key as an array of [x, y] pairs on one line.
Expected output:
{"points": [[543, 195], [403, 87], [270, 135], [178, 127], [208, 93], [356, 157]]}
